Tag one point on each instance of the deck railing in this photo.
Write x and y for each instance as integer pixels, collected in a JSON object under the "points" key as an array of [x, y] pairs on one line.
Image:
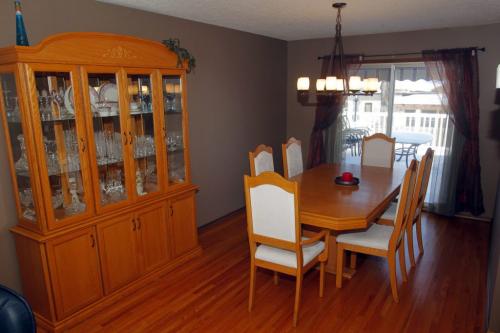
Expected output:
{"points": [[435, 124]]}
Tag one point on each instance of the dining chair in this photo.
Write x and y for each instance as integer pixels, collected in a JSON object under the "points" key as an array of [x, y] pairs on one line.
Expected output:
{"points": [[417, 204], [261, 159], [274, 233], [382, 240], [378, 150], [292, 157]]}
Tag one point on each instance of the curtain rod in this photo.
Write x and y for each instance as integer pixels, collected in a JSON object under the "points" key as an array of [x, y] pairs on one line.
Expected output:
{"points": [[482, 49]]}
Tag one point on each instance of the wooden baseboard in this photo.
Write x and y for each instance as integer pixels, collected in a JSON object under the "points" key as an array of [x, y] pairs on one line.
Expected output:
{"points": [[108, 300]]}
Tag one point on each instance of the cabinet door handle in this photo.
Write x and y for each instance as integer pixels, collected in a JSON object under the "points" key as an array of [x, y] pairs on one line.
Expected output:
{"points": [[125, 137], [134, 226], [92, 240], [130, 137], [171, 211], [139, 223], [84, 146]]}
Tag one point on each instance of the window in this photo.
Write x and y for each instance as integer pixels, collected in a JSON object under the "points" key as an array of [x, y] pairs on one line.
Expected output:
{"points": [[368, 107]]}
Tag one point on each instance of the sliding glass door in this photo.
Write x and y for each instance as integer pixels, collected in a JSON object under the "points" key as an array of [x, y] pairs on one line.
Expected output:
{"points": [[407, 106]]}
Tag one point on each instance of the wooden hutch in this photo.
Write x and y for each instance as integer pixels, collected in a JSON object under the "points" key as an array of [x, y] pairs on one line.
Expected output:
{"points": [[96, 129]]}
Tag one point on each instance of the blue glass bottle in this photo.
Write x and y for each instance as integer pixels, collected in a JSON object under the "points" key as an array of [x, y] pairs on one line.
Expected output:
{"points": [[21, 37]]}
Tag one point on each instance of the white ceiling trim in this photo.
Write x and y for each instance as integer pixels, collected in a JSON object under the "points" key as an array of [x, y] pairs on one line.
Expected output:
{"points": [[294, 19]]}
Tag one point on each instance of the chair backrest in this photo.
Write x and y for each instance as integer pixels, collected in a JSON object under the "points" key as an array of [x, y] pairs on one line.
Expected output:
{"points": [[378, 150], [404, 203], [292, 157], [261, 159], [423, 175], [272, 210], [15, 313]]}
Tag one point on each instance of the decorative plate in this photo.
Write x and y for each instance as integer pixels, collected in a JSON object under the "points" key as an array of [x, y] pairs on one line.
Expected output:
{"points": [[68, 100], [108, 93], [69, 103], [353, 182]]}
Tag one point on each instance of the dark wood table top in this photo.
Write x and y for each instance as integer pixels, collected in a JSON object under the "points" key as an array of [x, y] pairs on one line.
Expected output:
{"points": [[326, 204]]}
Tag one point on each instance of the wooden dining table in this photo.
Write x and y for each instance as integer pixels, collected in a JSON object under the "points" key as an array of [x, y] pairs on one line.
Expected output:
{"points": [[324, 204]]}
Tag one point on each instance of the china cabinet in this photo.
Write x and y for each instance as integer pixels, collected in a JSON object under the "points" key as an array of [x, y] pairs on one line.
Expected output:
{"points": [[96, 129]]}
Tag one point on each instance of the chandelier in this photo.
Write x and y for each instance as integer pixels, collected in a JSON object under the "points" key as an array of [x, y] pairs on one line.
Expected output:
{"points": [[342, 84]]}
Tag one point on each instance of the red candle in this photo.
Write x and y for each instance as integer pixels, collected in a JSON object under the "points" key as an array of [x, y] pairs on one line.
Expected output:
{"points": [[347, 176]]}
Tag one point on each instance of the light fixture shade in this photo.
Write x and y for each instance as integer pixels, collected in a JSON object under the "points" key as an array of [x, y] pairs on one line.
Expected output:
{"points": [[303, 83], [320, 84], [339, 84], [331, 82], [371, 84], [498, 77], [355, 83]]}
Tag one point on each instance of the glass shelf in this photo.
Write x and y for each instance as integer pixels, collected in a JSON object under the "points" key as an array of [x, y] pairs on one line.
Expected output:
{"points": [[140, 113]]}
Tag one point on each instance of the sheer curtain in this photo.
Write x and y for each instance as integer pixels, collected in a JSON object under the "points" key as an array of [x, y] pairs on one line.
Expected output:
{"points": [[327, 111], [349, 125]]}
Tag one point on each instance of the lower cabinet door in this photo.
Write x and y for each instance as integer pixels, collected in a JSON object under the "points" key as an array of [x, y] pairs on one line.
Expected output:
{"points": [[183, 223], [153, 232], [119, 252], [74, 271]]}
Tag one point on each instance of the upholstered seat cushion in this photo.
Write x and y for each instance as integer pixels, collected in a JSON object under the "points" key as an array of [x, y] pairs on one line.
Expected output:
{"points": [[288, 258], [390, 213], [376, 237]]}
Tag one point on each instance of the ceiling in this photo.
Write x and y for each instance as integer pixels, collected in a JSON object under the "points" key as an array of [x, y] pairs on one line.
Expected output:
{"points": [[303, 19]]}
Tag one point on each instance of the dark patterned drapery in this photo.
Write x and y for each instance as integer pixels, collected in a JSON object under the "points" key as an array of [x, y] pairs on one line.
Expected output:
{"points": [[457, 73]]}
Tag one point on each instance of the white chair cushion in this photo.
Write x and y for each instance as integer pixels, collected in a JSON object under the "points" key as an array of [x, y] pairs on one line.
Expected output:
{"points": [[288, 258], [263, 162], [378, 152], [376, 237], [390, 213], [294, 160], [273, 212]]}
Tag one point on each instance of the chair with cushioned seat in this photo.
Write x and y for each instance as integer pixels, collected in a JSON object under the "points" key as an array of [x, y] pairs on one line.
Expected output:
{"points": [[15, 313], [382, 240], [378, 150], [292, 158], [261, 159], [417, 203], [275, 236]]}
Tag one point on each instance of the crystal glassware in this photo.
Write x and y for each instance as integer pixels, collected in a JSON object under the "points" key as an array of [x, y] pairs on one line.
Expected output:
{"points": [[22, 163], [26, 198], [76, 206]]}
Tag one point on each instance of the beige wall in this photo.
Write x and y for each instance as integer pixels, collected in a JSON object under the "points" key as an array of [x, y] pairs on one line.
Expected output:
{"points": [[302, 61], [236, 97]]}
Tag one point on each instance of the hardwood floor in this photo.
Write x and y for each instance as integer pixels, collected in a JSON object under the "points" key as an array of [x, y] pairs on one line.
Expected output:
{"points": [[445, 292]]}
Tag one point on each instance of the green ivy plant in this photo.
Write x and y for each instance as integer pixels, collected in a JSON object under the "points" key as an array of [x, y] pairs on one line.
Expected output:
{"points": [[183, 54]]}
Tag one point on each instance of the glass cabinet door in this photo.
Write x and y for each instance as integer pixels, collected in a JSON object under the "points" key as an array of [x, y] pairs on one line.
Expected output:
{"points": [[110, 137], [174, 139], [17, 142], [61, 143], [143, 115]]}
